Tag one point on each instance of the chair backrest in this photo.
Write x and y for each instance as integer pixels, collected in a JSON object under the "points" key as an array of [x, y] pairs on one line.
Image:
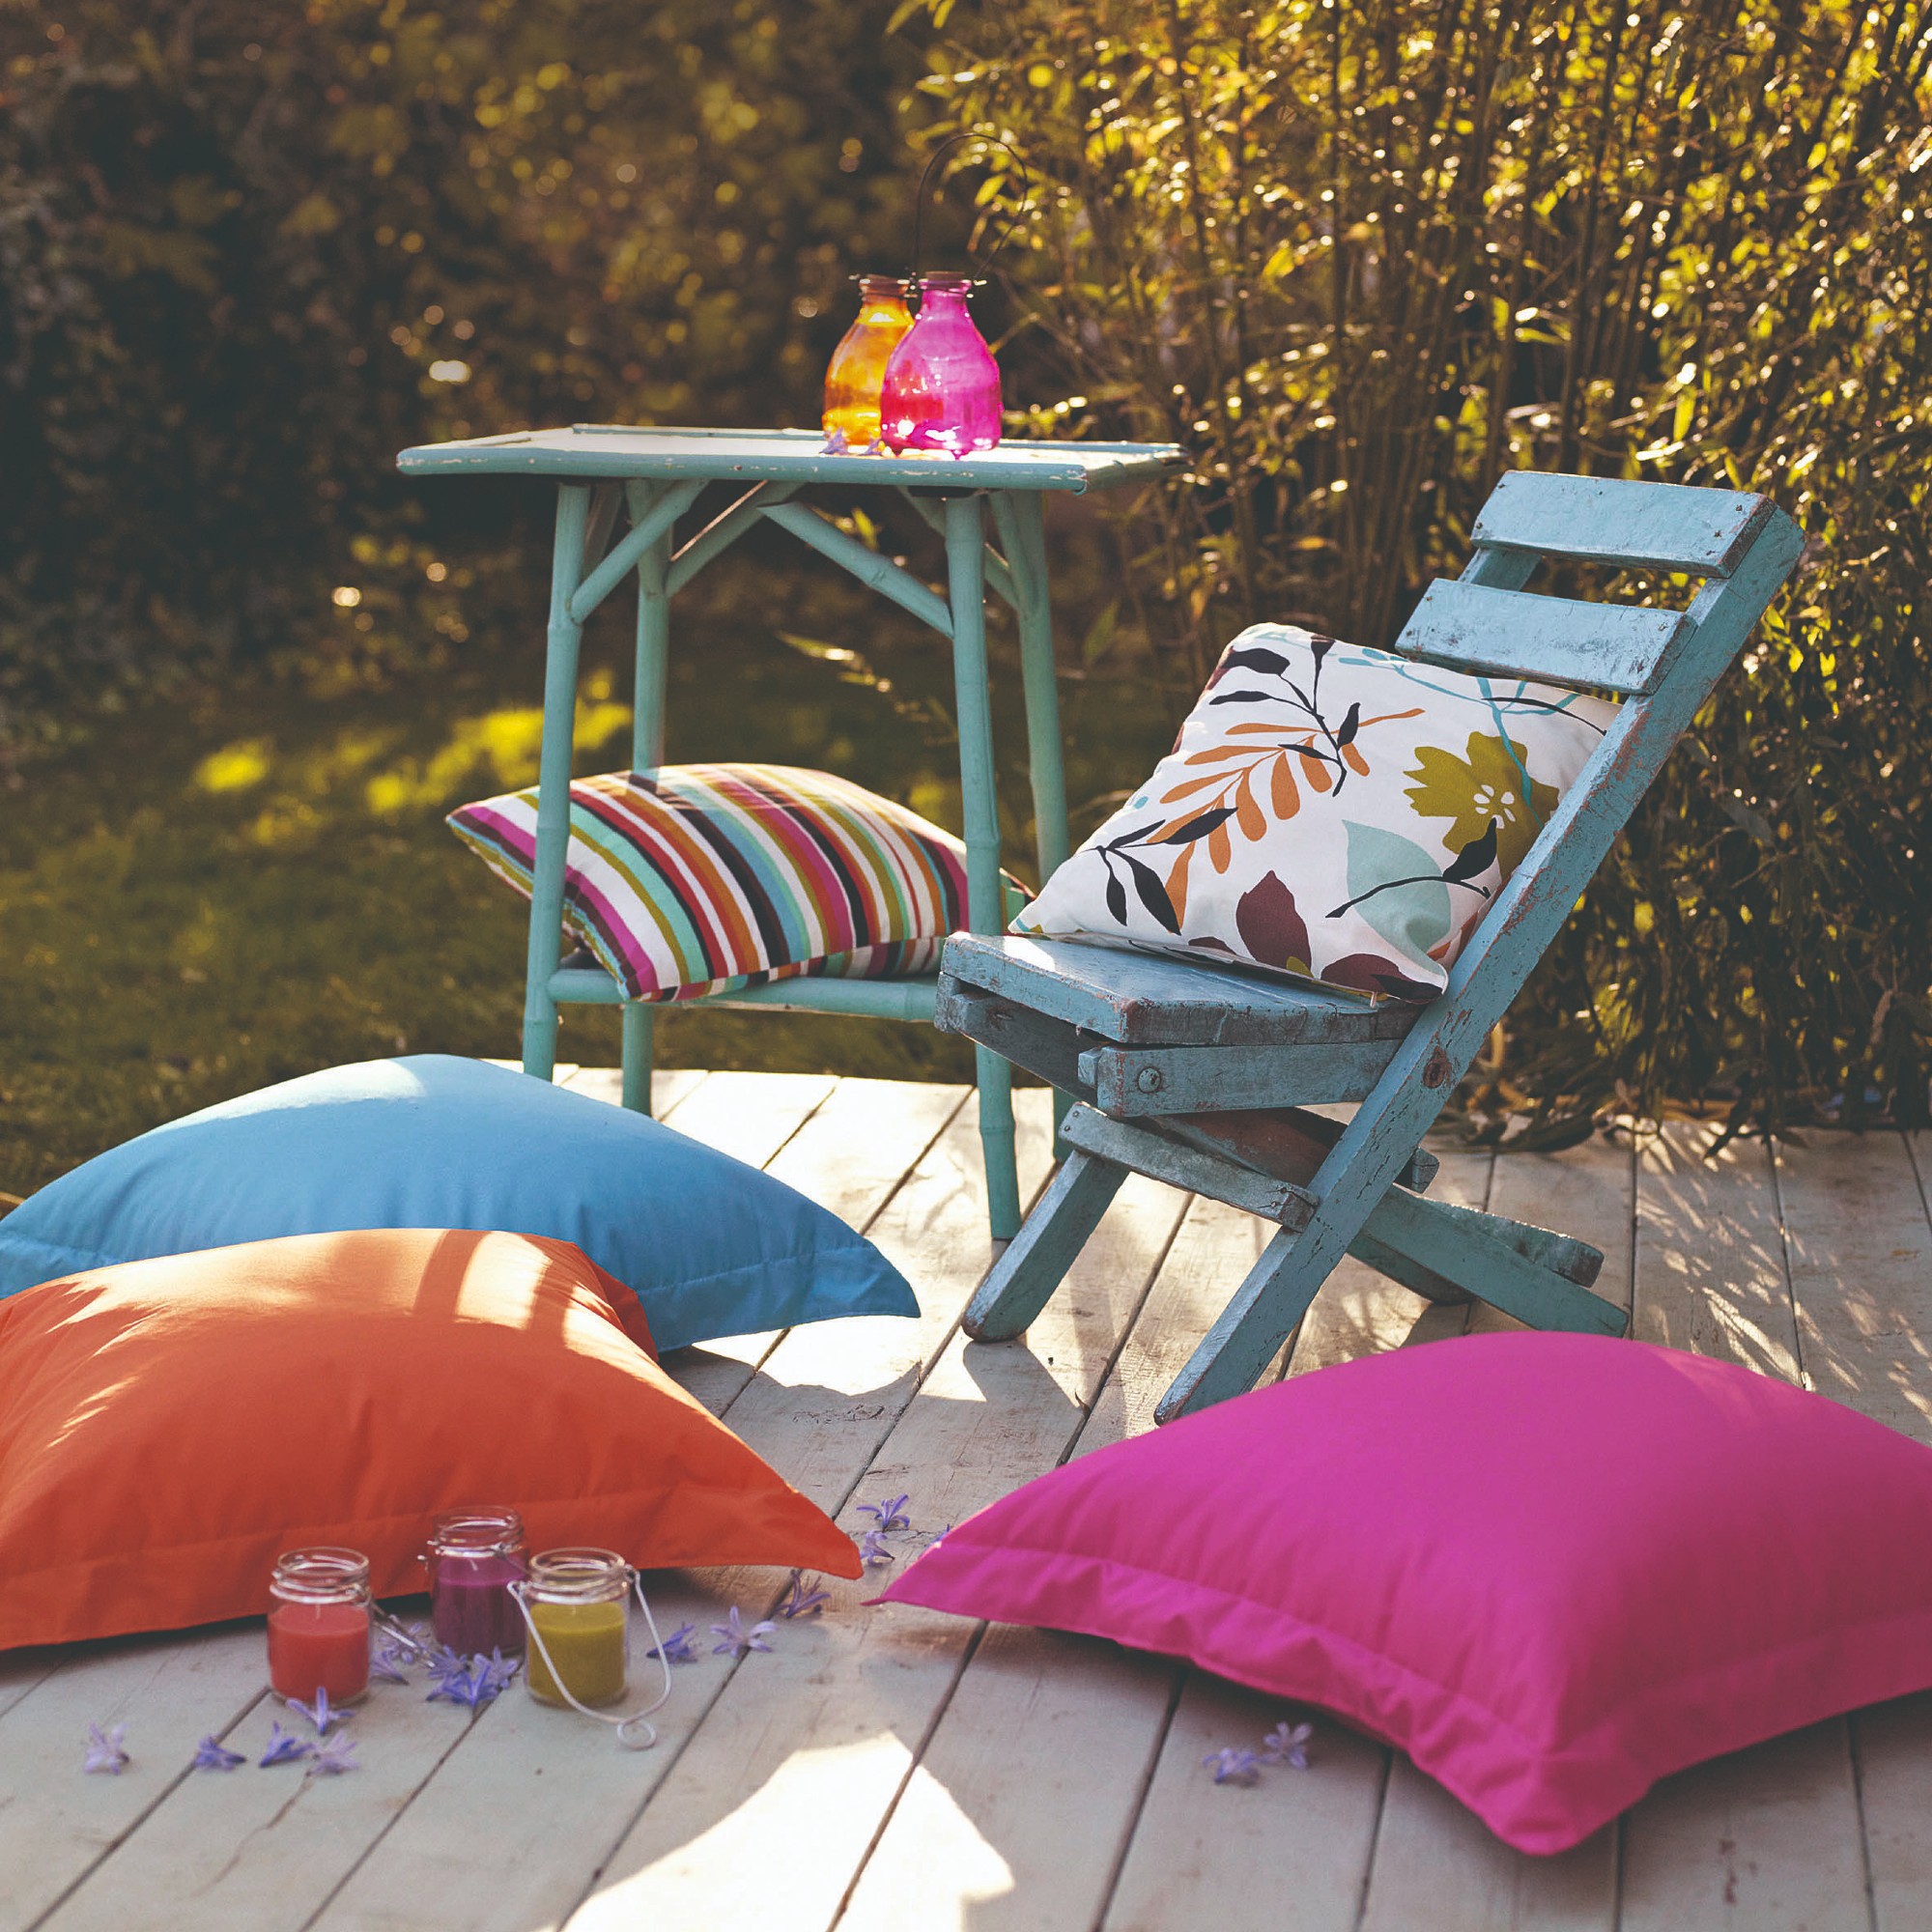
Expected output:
{"points": [[1485, 621], [1663, 664]]}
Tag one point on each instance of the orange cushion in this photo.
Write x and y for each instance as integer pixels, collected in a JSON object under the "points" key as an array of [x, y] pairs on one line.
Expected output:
{"points": [[167, 1428]]}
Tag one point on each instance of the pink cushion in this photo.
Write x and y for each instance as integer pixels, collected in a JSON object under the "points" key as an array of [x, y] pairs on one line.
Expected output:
{"points": [[1551, 1568]]}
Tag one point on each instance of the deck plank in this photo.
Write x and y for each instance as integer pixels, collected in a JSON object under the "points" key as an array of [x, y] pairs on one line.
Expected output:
{"points": [[802, 1757], [1585, 1190], [1858, 1245], [977, 1845], [1438, 1865], [1285, 1854], [830, 1391], [1769, 1836], [1766, 1840], [1434, 1862], [671, 1085], [56, 1826], [1870, 1347], [753, 1117], [1893, 1746], [20, 1670], [850, 1156], [1060, 1705], [258, 1847], [1193, 1851], [1710, 1272]]}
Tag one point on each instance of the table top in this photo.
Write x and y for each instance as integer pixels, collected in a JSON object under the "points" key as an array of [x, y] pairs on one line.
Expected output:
{"points": [[611, 452]]}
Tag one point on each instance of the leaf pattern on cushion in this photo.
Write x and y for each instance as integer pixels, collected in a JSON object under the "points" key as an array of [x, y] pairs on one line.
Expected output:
{"points": [[1272, 931], [1398, 889], [1177, 885], [1488, 784], [1370, 973]]}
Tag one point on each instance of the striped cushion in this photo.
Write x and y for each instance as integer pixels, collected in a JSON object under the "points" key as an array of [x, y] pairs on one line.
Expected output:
{"points": [[695, 879]]}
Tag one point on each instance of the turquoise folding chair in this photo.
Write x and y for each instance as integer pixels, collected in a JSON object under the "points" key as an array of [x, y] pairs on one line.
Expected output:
{"points": [[1199, 1074]]}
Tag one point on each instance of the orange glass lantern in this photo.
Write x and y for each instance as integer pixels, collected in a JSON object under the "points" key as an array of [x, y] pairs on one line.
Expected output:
{"points": [[857, 372]]}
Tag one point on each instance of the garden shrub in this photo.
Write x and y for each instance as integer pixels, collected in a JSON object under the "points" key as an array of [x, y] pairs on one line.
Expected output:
{"points": [[1363, 257]]}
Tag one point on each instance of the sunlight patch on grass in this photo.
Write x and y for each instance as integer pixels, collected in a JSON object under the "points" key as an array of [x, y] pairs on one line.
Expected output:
{"points": [[504, 745]]}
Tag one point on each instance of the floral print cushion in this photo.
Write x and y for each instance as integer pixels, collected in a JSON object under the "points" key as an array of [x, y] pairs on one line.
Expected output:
{"points": [[1328, 812]]}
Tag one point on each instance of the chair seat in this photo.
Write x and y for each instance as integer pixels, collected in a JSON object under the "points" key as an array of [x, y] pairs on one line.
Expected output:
{"points": [[1150, 999]]}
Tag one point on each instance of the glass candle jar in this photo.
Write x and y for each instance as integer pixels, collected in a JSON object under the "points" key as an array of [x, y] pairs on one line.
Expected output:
{"points": [[473, 1557], [941, 386], [319, 1620], [857, 371], [577, 1602]]}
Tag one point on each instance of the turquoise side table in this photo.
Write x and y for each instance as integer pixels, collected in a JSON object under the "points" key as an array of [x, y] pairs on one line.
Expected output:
{"points": [[656, 475]]}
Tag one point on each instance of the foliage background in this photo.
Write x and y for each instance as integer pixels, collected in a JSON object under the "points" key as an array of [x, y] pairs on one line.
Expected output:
{"points": [[1365, 256], [1360, 257], [239, 247]]}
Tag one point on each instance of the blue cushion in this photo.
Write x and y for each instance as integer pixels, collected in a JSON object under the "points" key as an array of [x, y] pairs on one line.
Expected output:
{"points": [[710, 1245]]}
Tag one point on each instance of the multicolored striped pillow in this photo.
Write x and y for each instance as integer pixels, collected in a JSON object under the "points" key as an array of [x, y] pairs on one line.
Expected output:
{"points": [[695, 879]]}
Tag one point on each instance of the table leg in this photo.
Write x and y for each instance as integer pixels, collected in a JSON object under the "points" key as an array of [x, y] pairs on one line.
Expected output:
{"points": [[1022, 526], [552, 839], [985, 907], [1023, 529], [647, 709]]}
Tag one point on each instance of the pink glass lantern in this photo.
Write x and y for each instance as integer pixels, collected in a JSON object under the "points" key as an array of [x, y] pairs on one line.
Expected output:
{"points": [[942, 387]]}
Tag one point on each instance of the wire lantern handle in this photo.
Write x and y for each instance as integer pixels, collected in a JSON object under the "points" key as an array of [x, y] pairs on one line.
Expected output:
{"points": [[627, 1728], [1012, 220]]}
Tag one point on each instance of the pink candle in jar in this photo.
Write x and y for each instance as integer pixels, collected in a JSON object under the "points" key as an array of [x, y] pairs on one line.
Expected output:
{"points": [[473, 1557]]}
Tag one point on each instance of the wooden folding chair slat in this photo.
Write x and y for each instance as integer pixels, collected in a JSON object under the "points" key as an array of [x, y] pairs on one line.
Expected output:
{"points": [[1472, 627], [1150, 999], [1152, 1044], [1603, 520]]}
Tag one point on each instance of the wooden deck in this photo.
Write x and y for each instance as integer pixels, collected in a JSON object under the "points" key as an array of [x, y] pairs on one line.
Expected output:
{"points": [[899, 1768]]}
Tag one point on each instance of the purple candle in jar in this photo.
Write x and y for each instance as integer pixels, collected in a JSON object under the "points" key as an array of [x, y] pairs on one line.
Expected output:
{"points": [[473, 1557]]}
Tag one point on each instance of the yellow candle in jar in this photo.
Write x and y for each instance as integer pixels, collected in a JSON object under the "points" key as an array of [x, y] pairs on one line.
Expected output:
{"points": [[585, 1643]]}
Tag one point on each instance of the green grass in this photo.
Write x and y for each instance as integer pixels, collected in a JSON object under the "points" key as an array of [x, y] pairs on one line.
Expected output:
{"points": [[230, 890]]}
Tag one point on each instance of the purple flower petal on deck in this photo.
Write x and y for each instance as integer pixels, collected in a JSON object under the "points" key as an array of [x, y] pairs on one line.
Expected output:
{"points": [[284, 1747], [1288, 1745], [1232, 1767], [104, 1750], [738, 1640], [388, 1662], [891, 1515], [319, 1714], [471, 1681], [803, 1602], [676, 1647], [211, 1755], [872, 1551], [834, 445], [333, 1759]]}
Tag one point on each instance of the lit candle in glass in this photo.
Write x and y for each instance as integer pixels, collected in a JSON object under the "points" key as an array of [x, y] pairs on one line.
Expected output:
{"points": [[319, 1625], [473, 1557], [576, 1601]]}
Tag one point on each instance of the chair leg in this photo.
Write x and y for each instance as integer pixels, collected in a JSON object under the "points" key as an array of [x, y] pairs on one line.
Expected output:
{"points": [[1497, 1261], [1452, 1247], [1023, 1278], [1266, 1308], [640, 1023]]}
